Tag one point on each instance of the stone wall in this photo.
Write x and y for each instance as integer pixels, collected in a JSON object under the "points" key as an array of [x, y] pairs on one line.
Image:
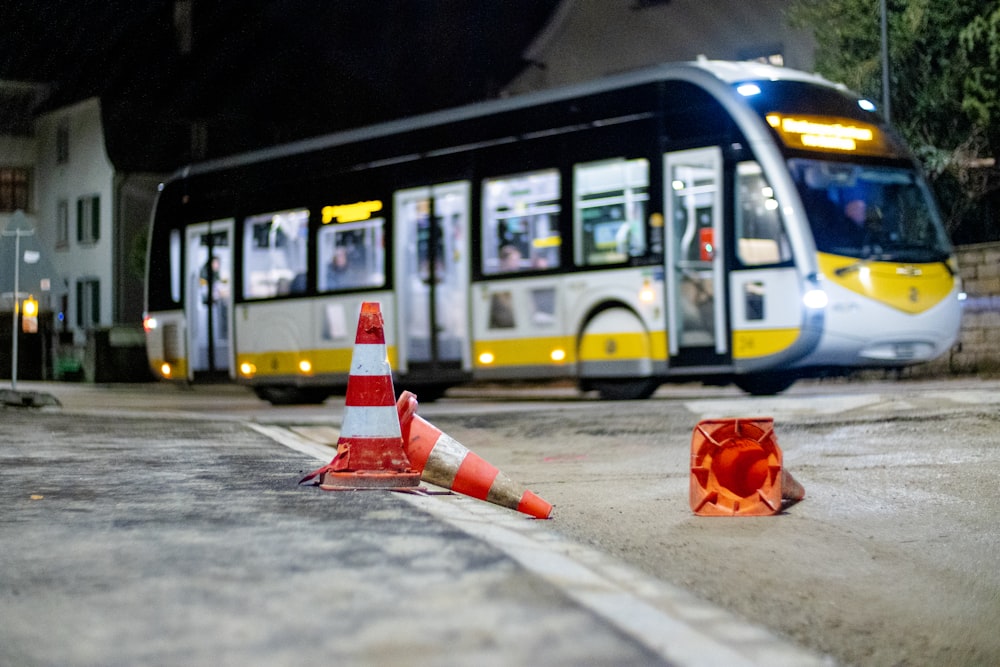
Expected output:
{"points": [[978, 348]]}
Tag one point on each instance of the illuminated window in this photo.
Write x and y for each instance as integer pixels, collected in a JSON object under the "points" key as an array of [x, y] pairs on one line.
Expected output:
{"points": [[609, 201], [521, 222], [275, 248], [351, 255], [13, 189]]}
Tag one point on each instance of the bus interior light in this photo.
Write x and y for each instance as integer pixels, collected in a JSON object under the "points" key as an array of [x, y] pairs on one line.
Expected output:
{"points": [[867, 105], [748, 89]]}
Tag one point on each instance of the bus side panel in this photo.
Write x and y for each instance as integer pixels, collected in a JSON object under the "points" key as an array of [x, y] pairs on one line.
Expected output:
{"points": [[166, 347], [537, 327], [765, 314], [520, 329], [620, 323], [304, 342]]}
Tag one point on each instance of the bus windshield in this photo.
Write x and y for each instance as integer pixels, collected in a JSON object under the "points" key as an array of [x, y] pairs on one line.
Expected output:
{"points": [[870, 212]]}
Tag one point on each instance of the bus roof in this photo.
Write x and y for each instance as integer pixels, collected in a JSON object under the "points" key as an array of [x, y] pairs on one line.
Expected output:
{"points": [[727, 72]]}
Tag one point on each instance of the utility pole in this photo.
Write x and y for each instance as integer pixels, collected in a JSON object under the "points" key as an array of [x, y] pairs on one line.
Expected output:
{"points": [[885, 63], [14, 229]]}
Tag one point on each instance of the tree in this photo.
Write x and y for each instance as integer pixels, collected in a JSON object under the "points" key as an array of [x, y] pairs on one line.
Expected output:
{"points": [[943, 81]]}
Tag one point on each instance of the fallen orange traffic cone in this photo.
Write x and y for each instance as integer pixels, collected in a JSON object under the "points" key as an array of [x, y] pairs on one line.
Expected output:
{"points": [[736, 469], [444, 461], [370, 452]]}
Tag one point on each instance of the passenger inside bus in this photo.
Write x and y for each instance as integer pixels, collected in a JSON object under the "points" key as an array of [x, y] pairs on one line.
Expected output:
{"points": [[344, 270], [510, 258]]}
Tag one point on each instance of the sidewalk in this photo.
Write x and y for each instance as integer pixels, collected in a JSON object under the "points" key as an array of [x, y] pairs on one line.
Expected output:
{"points": [[136, 541]]}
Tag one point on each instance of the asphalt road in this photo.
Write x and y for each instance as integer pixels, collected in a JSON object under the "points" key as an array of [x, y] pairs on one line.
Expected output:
{"points": [[148, 525]]}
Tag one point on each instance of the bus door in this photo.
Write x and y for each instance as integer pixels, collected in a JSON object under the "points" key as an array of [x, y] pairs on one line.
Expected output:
{"points": [[695, 271], [432, 277], [209, 310]]}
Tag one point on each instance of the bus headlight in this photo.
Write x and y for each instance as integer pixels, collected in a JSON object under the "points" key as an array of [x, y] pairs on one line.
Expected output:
{"points": [[247, 369], [165, 370], [305, 366], [815, 299]]}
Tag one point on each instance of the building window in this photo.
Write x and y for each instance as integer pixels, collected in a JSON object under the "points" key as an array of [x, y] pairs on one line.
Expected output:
{"points": [[88, 219], [13, 189], [62, 142], [62, 225], [88, 302]]}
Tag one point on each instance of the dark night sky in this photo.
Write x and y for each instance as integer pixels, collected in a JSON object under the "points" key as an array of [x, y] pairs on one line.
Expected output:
{"points": [[261, 71]]}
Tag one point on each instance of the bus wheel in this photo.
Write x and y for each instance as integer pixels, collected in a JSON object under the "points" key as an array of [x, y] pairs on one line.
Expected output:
{"points": [[425, 393], [292, 395], [765, 384], [625, 390]]}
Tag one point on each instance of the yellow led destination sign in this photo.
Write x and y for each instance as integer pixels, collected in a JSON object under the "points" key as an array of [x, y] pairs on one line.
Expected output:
{"points": [[821, 133], [361, 210]]}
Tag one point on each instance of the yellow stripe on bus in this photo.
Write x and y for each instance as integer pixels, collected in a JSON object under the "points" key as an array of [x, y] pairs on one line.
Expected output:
{"points": [[752, 343], [615, 346], [909, 287], [284, 362], [524, 352], [557, 350]]}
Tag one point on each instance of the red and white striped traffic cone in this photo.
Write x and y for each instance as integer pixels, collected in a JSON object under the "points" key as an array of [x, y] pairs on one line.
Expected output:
{"points": [[370, 452], [444, 461]]}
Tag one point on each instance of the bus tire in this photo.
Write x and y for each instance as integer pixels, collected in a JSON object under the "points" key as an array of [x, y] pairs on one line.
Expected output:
{"points": [[765, 384], [633, 389], [292, 395]]}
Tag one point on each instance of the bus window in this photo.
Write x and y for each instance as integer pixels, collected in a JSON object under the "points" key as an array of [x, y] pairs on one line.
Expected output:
{"points": [[609, 202], [521, 222], [274, 254], [351, 255], [760, 233], [868, 211]]}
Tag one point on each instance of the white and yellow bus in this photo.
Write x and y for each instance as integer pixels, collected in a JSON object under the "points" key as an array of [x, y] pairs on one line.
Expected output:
{"points": [[689, 222]]}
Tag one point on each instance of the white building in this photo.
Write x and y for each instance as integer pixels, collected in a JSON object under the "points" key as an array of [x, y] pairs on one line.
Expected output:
{"points": [[91, 224]]}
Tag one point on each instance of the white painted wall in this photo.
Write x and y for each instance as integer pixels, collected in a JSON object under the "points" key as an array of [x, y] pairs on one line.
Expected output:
{"points": [[87, 172]]}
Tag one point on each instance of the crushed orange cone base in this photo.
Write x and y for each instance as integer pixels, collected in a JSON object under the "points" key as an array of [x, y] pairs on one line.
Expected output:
{"points": [[736, 469]]}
